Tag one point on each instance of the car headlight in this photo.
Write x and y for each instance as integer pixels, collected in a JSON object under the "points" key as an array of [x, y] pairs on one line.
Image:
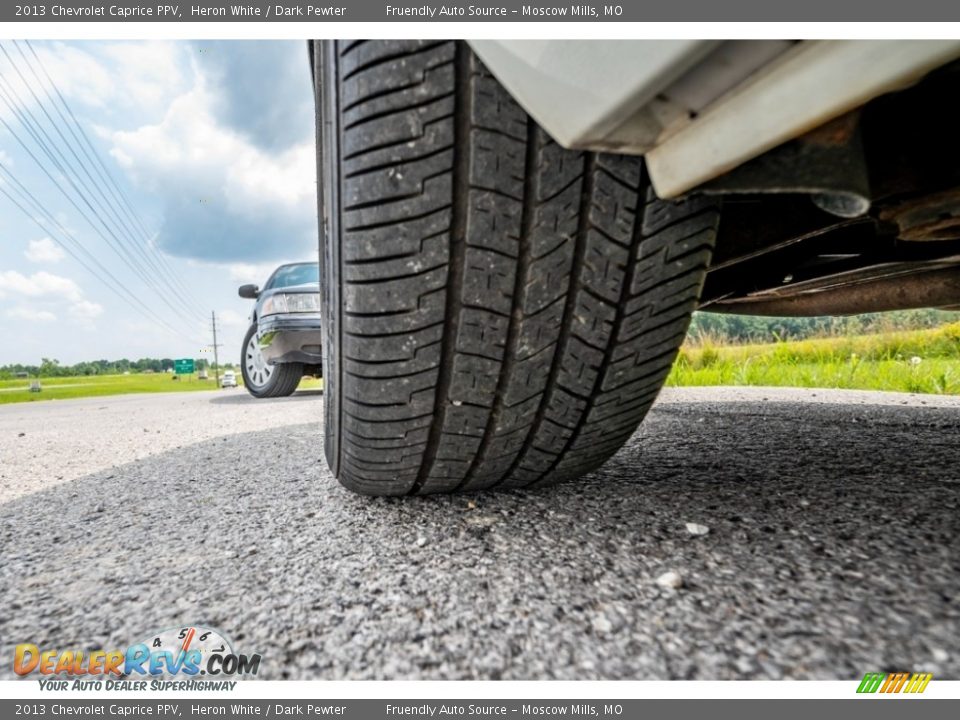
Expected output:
{"points": [[291, 303]]}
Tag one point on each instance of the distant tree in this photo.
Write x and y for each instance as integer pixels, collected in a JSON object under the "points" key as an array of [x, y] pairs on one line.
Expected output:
{"points": [[49, 367]]}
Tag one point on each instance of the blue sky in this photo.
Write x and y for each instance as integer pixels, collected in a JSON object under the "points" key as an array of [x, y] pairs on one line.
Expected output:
{"points": [[212, 144]]}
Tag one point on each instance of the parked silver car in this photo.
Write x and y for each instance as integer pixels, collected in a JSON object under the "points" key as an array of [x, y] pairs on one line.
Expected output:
{"points": [[284, 340]]}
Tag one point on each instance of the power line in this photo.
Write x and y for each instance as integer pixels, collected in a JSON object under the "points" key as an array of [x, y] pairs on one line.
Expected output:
{"points": [[101, 169], [108, 206], [51, 178], [124, 293], [34, 128], [31, 199]]}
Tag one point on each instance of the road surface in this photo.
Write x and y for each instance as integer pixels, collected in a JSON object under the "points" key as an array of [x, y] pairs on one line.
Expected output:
{"points": [[812, 534]]}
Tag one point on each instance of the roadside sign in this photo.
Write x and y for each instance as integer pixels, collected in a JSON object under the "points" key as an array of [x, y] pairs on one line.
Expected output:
{"points": [[183, 367]]}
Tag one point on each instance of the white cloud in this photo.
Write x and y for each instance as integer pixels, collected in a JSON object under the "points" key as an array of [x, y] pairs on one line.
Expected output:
{"points": [[26, 313], [74, 71], [43, 250], [85, 310], [189, 142], [126, 75], [150, 73], [207, 172], [232, 319], [256, 273], [47, 292], [40, 284]]}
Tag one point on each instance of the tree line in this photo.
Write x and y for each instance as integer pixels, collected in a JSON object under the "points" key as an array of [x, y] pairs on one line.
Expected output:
{"points": [[749, 328], [50, 367]]}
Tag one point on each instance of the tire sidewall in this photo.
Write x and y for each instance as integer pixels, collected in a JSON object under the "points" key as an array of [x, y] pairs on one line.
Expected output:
{"points": [[328, 171]]}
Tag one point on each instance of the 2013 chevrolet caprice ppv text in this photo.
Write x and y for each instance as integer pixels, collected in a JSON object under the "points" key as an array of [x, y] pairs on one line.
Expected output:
{"points": [[515, 233]]}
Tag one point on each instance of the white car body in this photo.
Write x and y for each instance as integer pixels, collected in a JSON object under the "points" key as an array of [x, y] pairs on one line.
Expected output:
{"points": [[228, 379], [699, 108]]}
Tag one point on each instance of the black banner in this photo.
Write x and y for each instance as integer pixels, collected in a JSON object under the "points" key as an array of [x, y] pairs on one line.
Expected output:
{"points": [[480, 11], [874, 708]]}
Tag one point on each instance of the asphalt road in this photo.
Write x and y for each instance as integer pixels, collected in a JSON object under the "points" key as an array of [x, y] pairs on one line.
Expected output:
{"points": [[49, 442], [832, 546]]}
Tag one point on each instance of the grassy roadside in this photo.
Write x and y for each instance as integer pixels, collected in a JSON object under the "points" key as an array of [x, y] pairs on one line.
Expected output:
{"points": [[64, 388], [917, 361]]}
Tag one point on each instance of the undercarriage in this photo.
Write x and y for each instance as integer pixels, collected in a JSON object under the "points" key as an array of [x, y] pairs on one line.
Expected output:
{"points": [[859, 215]]}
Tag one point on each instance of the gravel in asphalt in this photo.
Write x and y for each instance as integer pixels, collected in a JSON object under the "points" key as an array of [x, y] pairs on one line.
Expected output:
{"points": [[832, 549], [48, 442]]}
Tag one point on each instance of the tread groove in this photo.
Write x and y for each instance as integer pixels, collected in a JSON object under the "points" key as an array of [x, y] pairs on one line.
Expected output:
{"points": [[458, 241], [608, 353], [520, 274], [390, 57], [394, 111], [387, 92], [589, 163]]}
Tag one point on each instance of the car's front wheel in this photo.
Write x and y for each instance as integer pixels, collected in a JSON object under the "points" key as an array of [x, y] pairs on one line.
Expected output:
{"points": [[261, 379], [499, 311]]}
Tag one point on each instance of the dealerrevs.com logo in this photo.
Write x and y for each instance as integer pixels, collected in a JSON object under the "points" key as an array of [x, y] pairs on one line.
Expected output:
{"points": [[171, 659]]}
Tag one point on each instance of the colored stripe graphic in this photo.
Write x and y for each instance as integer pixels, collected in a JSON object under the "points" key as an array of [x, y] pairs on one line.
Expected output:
{"points": [[894, 682], [870, 683], [918, 683]]}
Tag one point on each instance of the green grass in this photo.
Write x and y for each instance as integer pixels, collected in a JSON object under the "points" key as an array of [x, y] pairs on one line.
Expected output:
{"points": [[883, 361], [917, 361], [63, 388]]}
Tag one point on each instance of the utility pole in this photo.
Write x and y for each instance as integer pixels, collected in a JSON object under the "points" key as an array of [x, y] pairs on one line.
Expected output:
{"points": [[216, 354]]}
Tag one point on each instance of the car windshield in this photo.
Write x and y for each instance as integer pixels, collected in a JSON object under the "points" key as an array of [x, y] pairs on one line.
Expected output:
{"points": [[299, 274]]}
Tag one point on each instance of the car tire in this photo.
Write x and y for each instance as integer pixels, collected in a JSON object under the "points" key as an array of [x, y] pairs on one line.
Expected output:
{"points": [[278, 380], [500, 312]]}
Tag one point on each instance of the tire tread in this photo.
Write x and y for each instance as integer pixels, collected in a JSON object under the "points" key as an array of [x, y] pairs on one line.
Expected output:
{"points": [[510, 308]]}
